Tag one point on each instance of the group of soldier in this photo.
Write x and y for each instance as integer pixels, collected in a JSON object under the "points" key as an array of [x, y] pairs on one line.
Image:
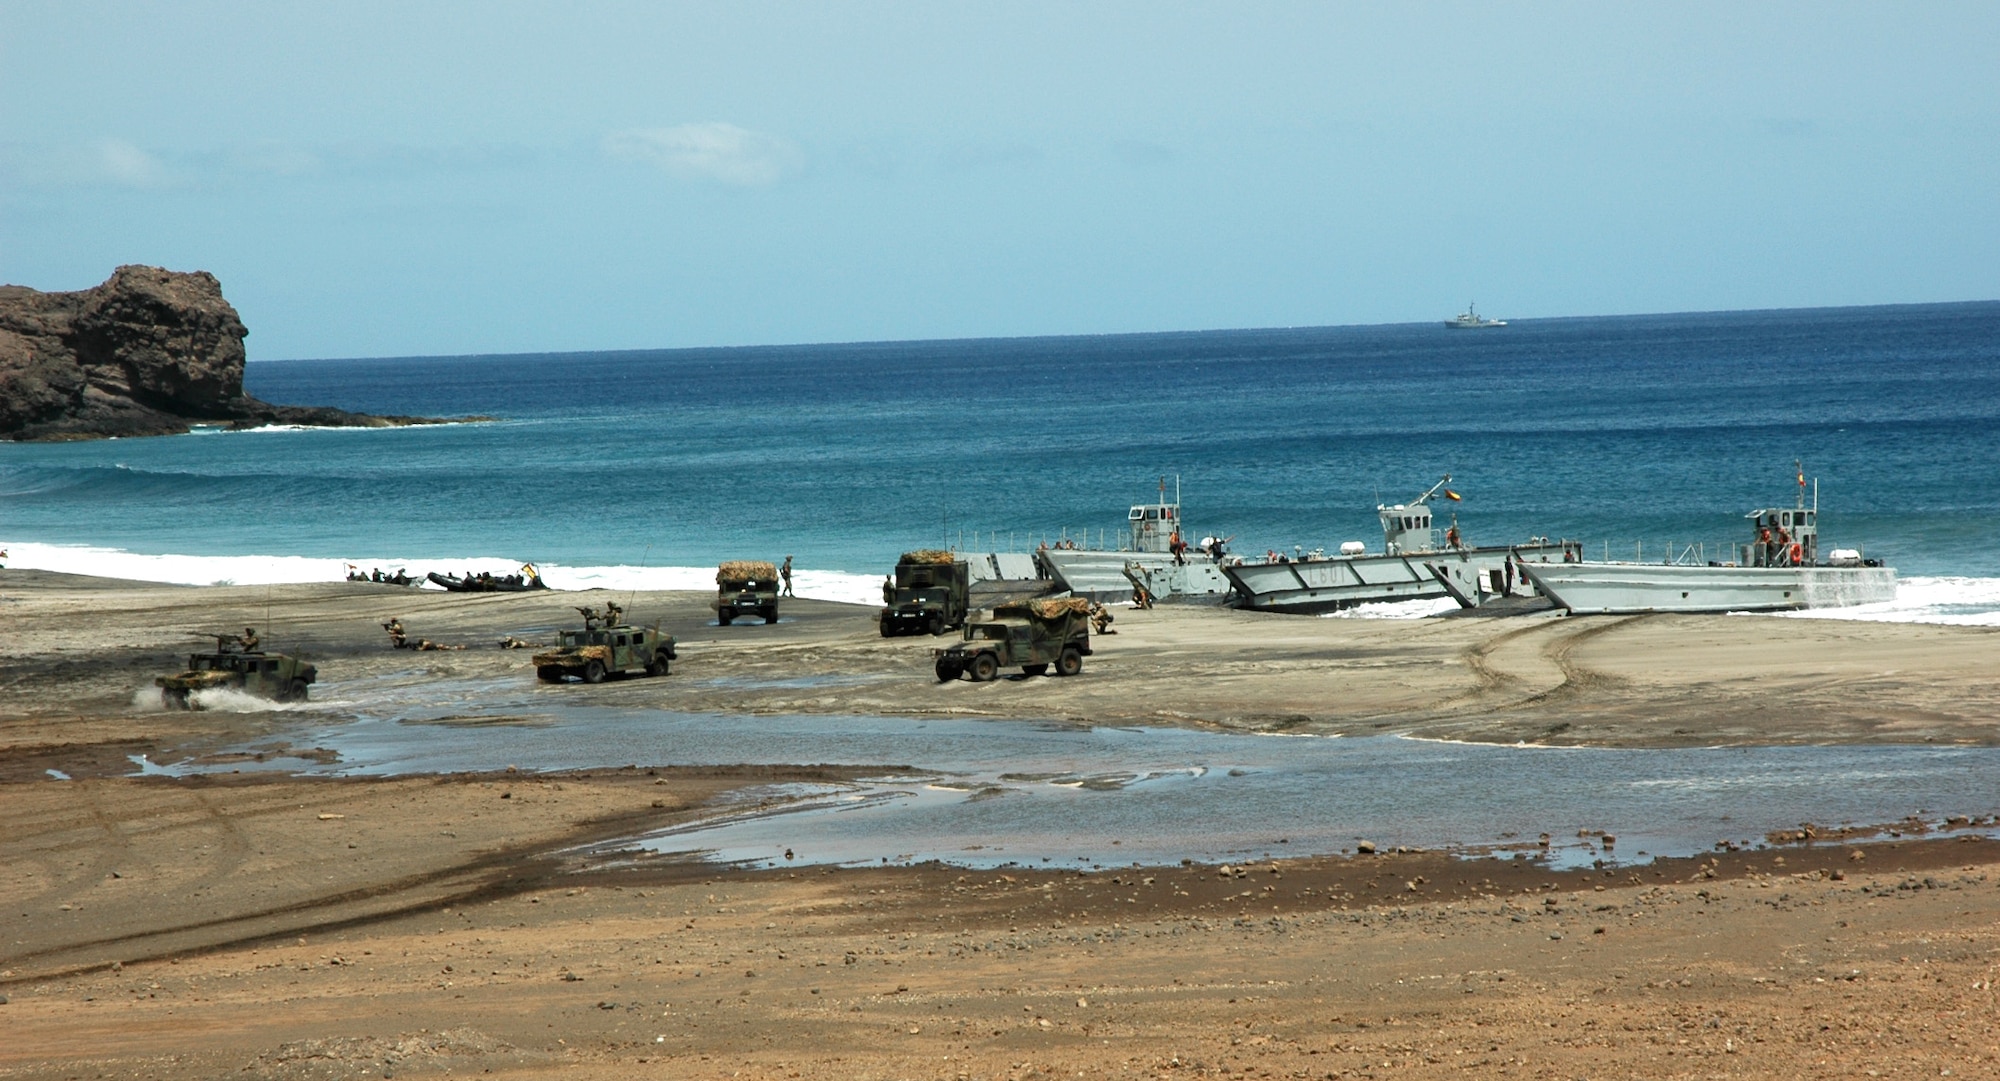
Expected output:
{"points": [[400, 639], [400, 578]]}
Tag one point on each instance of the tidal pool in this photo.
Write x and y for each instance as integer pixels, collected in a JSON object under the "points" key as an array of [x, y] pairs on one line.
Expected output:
{"points": [[993, 792]]}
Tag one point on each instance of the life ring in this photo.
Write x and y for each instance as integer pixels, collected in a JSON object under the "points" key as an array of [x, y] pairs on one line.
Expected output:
{"points": [[1798, 554]]}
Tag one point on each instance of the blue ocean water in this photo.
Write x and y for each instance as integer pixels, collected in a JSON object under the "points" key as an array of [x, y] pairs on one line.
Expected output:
{"points": [[1642, 429]]}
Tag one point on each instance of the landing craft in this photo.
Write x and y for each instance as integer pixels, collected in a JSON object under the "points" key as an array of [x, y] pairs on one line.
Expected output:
{"points": [[1145, 558], [1417, 561], [1779, 569]]}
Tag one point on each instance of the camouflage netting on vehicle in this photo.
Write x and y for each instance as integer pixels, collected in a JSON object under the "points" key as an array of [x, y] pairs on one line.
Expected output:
{"points": [[745, 570], [1051, 607], [928, 555]]}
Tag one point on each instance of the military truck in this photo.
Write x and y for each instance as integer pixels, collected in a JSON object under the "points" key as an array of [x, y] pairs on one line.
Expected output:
{"points": [[276, 676], [928, 594], [1032, 635], [746, 587], [595, 652]]}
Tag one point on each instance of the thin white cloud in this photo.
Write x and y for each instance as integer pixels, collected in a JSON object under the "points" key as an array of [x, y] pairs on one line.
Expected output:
{"points": [[100, 162], [122, 163], [709, 151]]}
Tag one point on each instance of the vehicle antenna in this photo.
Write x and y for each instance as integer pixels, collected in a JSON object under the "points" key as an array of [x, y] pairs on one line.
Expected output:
{"points": [[642, 566]]}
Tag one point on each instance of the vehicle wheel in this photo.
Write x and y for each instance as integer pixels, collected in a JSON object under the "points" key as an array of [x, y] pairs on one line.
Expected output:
{"points": [[1034, 669], [173, 698], [295, 691], [936, 626], [658, 665], [888, 631], [549, 673], [593, 672], [984, 668], [724, 617], [771, 615], [947, 671], [1070, 663]]}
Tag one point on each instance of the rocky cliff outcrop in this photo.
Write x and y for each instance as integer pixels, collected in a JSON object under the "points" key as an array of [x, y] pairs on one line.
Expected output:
{"points": [[147, 353]]}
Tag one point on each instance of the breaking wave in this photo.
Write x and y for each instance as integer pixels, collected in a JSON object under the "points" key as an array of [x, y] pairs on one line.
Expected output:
{"points": [[1949, 600], [260, 570]]}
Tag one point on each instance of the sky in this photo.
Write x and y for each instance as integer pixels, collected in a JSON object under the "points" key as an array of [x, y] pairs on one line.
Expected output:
{"points": [[408, 178]]}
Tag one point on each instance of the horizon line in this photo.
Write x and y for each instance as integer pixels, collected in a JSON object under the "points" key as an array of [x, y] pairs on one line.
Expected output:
{"points": [[1511, 319]]}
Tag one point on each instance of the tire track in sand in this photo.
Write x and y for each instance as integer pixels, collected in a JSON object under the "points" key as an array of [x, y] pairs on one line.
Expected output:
{"points": [[1533, 664]]}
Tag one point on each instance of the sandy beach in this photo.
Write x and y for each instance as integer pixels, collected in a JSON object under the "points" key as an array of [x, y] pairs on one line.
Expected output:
{"points": [[264, 925]]}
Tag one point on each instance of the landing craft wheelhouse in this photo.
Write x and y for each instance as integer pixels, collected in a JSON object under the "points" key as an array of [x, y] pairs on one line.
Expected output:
{"points": [[1144, 558]]}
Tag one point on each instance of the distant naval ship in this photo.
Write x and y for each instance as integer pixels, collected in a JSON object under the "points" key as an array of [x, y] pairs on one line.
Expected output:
{"points": [[1779, 568], [1416, 561], [1469, 319]]}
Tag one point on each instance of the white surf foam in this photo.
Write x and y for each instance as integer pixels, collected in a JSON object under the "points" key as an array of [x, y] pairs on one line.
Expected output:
{"points": [[257, 570], [1950, 600], [1411, 609], [1957, 601]]}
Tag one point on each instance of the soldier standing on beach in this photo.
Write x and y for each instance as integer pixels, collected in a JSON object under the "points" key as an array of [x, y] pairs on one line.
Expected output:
{"points": [[785, 572]]}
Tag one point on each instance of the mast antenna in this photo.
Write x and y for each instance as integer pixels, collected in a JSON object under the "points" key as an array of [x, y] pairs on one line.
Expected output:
{"points": [[634, 591]]}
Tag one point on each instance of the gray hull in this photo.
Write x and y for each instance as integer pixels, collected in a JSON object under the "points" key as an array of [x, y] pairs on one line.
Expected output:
{"points": [[1622, 588], [1100, 576], [1324, 585]]}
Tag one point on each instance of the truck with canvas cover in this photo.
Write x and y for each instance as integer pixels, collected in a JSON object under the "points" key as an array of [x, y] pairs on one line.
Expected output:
{"points": [[746, 587], [1031, 636], [276, 676], [928, 595], [596, 652]]}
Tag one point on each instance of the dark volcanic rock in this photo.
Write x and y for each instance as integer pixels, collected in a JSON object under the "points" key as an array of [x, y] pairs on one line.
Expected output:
{"points": [[145, 353]]}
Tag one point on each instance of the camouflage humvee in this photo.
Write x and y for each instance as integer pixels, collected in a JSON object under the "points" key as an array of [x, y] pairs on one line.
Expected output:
{"points": [[746, 587], [928, 594], [595, 652], [275, 676], [1031, 635]]}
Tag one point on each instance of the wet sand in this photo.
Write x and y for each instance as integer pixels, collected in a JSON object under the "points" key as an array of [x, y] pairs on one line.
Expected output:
{"points": [[81, 652], [264, 926]]}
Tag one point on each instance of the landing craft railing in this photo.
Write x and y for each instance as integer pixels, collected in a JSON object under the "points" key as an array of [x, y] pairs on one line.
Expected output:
{"points": [[988, 540], [956, 540], [1679, 554]]}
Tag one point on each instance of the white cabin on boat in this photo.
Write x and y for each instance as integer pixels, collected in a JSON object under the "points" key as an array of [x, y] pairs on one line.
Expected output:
{"points": [[1786, 537], [1406, 529], [1154, 525]]}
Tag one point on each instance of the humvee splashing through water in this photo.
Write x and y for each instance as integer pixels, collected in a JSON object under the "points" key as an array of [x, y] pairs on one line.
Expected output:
{"points": [[276, 676]]}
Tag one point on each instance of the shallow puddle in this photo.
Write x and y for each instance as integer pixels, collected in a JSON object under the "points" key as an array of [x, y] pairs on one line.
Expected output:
{"points": [[990, 792]]}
